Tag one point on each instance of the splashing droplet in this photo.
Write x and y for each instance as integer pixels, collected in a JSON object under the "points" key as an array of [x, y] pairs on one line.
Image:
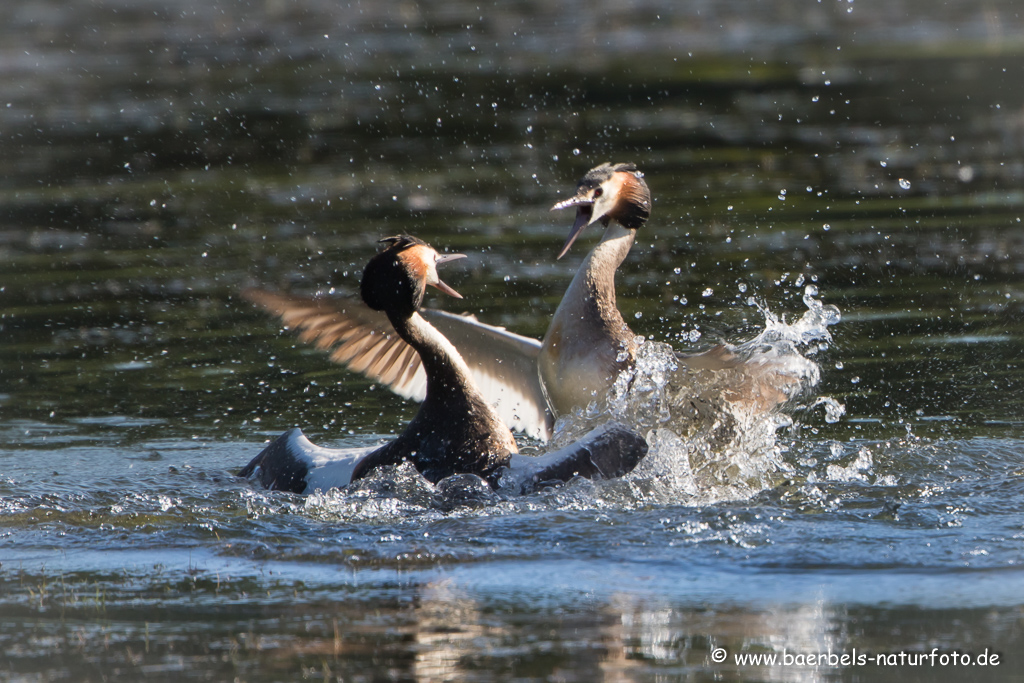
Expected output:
{"points": [[834, 410]]}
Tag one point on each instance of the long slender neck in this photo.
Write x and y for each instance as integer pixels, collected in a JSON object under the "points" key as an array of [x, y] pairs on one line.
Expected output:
{"points": [[447, 373], [595, 280], [588, 343], [455, 430]]}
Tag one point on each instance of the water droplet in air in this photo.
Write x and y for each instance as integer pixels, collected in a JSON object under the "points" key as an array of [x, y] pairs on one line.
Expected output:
{"points": [[904, 183], [834, 410]]}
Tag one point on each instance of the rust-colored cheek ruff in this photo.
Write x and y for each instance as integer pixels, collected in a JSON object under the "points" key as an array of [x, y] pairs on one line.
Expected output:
{"points": [[417, 260], [634, 205]]}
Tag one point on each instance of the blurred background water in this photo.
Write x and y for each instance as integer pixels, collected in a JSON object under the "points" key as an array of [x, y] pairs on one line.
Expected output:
{"points": [[159, 157]]}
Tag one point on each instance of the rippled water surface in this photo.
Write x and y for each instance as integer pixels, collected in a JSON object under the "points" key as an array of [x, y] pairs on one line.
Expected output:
{"points": [[160, 157]]}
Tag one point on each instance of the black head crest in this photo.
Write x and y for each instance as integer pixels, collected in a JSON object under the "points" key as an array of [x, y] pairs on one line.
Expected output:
{"points": [[399, 242], [388, 281]]}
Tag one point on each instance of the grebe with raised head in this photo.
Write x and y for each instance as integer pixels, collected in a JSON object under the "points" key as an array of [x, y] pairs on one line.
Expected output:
{"points": [[455, 431], [587, 344]]}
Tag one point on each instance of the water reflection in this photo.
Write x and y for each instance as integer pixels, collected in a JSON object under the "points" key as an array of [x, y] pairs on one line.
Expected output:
{"points": [[440, 630], [670, 638], [449, 629]]}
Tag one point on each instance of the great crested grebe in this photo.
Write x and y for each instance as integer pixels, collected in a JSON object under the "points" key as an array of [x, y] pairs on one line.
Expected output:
{"points": [[455, 431], [528, 382], [588, 343]]}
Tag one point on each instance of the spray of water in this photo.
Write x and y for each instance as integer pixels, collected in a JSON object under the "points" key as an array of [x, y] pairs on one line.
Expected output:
{"points": [[712, 420]]}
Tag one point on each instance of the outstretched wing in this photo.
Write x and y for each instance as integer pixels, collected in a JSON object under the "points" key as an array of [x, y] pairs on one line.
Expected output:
{"points": [[503, 364], [356, 336], [504, 367]]}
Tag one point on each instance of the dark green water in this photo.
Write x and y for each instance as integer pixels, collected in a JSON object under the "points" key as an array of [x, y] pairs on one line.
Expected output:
{"points": [[159, 157]]}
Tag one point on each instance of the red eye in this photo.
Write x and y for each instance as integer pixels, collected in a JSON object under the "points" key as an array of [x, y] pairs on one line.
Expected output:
{"points": [[598, 192]]}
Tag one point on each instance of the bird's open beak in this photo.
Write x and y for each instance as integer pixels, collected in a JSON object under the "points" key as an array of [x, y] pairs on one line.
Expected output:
{"points": [[445, 258], [584, 217]]}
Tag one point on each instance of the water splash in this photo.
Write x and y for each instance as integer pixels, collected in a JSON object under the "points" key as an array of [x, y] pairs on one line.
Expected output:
{"points": [[388, 495], [712, 419]]}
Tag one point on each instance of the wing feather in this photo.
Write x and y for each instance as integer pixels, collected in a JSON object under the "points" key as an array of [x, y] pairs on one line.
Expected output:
{"points": [[504, 364], [504, 367], [356, 336]]}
